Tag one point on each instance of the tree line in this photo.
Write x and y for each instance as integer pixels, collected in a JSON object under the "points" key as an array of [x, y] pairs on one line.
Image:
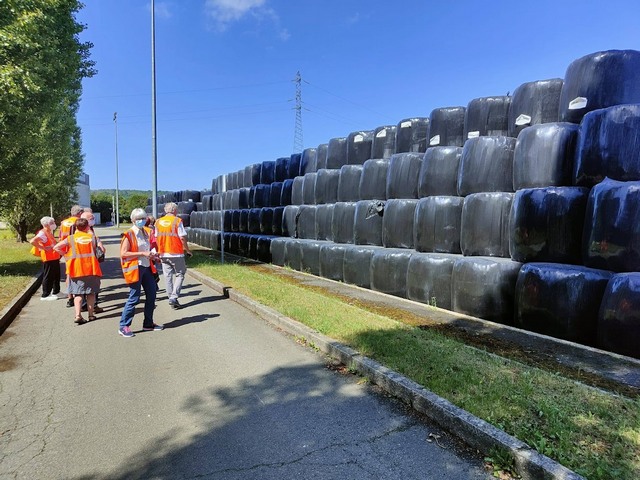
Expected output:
{"points": [[42, 64], [103, 201]]}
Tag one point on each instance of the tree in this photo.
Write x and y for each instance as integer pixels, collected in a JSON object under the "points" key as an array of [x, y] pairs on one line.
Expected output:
{"points": [[42, 64]]}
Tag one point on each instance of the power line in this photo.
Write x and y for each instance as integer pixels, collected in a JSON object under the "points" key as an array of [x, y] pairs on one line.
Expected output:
{"points": [[345, 99]]}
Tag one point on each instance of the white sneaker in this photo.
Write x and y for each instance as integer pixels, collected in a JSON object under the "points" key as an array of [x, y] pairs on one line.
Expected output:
{"points": [[50, 298]]}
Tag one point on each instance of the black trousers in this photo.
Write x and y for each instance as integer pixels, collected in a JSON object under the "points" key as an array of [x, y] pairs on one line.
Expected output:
{"points": [[50, 278]]}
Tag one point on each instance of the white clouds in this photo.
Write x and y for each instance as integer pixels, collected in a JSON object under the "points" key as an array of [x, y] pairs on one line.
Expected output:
{"points": [[162, 9], [225, 12]]}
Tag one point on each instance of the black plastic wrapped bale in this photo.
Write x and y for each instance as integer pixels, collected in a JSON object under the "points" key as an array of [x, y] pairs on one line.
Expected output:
{"points": [[266, 221], [234, 243], [619, 316], [367, 222], [326, 190], [402, 176], [356, 265], [227, 219], [191, 196], [275, 194], [560, 300], [439, 171], [277, 249], [308, 161], [311, 256], [290, 221], [306, 222], [199, 207], [232, 180], [359, 146], [252, 174], [544, 154], [486, 165], [397, 223], [227, 199], [243, 245], [251, 197], [332, 261], [194, 220], [216, 202], [611, 238], [384, 142], [268, 172], [293, 254], [485, 224], [324, 218], [446, 127], [185, 218], [282, 169], [226, 238], [373, 182], [608, 145], [485, 287], [294, 165], [297, 195], [243, 197], [287, 189], [244, 220], [546, 224], [600, 80], [262, 196], [321, 156], [389, 268], [241, 180], [337, 153], [349, 183], [235, 198], [253, 247], [437, 224], [534, 103], [309, 189], [343, 221], [487, 116], [278, 215], [412, 135], [253, 225], [429, 278], [235, 220], [263, 248], [214, 221]]}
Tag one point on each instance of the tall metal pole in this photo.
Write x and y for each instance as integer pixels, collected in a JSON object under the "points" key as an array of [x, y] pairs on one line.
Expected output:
{"points": [[115, 122], [154, 154]]}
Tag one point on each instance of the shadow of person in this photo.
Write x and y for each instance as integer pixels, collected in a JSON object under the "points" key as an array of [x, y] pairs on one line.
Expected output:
{"points": [[194, 319]]}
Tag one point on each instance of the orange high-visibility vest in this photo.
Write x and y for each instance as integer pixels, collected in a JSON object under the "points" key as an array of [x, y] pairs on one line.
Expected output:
{"points": [[168, 239], [130, 264], [81, 256], [66, 226], [46, 255]]}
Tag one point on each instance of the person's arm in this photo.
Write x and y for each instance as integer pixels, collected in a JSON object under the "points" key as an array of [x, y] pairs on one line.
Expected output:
{"points": [[185, 246], [99, 243], [62, 246], [39, 243], [125, 250]]}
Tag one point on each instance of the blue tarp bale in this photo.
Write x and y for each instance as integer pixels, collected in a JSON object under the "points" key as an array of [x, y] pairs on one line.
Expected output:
{"points": [[275, 195], [487, 116], [384, 142], [600, 80], [235, 220], [243, 197], [486, 165], [324, 218], [367, 222], [619, 316], [608, 145], [397, 223], [295, 162], [402, 176], [243, 244], [253, 225], [484, 287], [544, 154], [357, 263], [359, 146], [337, 153], [332, 261], [446, 127], [412, 135], [297, 196], [266, 221], [227, 219], [439, 171], [373, 182], [611, 239], [429, 278], [560, 300], [534, 103], [308, 161], [326, 188], [321, 156], [437, 224], [484, 228], [546, 224], [252, 174], [287, 190], [349, 183], [268, 172], [281, 169], [244, 220], [278, 215], [262, 197], [309, 188], [389, 271], [343, 221]]}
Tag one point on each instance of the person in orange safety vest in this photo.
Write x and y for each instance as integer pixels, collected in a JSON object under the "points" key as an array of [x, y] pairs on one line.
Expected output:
{"points": [[44, 242], [65, 230]]}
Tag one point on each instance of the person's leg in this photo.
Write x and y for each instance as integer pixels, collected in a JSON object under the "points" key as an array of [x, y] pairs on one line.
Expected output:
{"points": [[149, 285], [168, 272], [77, 305], [180, 268], [130, 306], [55, 276], [91, 300], [47, 280]]}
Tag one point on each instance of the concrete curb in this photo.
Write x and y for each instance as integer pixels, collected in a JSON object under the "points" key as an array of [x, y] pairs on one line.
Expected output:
{"points": [[11, 311], [474, 431]]}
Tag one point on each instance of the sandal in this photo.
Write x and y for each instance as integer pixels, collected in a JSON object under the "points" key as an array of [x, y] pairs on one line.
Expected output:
{"points": [[79, 320], [92, 318]]}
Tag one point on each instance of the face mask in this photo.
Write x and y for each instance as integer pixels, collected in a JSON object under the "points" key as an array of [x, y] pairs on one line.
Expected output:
{"points": [[92, 222], [53, 226], [140, 223]]}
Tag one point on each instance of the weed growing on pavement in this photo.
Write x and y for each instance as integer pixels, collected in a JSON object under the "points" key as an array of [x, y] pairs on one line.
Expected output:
{"points": [[591, 431]]}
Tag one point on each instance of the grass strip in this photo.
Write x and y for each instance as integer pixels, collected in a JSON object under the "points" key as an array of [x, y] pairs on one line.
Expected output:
{"points": [[17, 267], [591, 431]]}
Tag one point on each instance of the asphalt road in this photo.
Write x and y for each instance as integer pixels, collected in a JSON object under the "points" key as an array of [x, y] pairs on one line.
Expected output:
{"points": [[219, 394]]}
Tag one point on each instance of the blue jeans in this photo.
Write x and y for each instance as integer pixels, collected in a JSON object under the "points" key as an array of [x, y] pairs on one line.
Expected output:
{"points": [[149, 284]]}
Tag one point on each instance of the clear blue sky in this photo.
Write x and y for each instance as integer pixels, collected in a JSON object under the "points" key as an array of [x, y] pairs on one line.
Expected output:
{"points": [[225, 71]]}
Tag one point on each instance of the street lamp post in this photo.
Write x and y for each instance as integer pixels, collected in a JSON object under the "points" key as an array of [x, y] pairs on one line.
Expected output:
{"points": [[115, 122], [154, 155]]}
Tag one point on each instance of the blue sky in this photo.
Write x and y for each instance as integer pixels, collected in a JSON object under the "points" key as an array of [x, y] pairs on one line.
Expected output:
{"points": [[225, 70]]}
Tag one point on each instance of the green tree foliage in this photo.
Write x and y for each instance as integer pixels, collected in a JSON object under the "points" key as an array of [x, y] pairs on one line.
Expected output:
{"points": [[42, 64]]}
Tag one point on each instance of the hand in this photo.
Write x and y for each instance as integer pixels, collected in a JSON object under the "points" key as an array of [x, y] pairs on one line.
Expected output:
{"points": [[188, 253]]}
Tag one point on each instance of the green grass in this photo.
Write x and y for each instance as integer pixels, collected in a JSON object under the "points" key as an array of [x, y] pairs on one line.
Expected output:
{"points": [[17, 267], [592, 432]]}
